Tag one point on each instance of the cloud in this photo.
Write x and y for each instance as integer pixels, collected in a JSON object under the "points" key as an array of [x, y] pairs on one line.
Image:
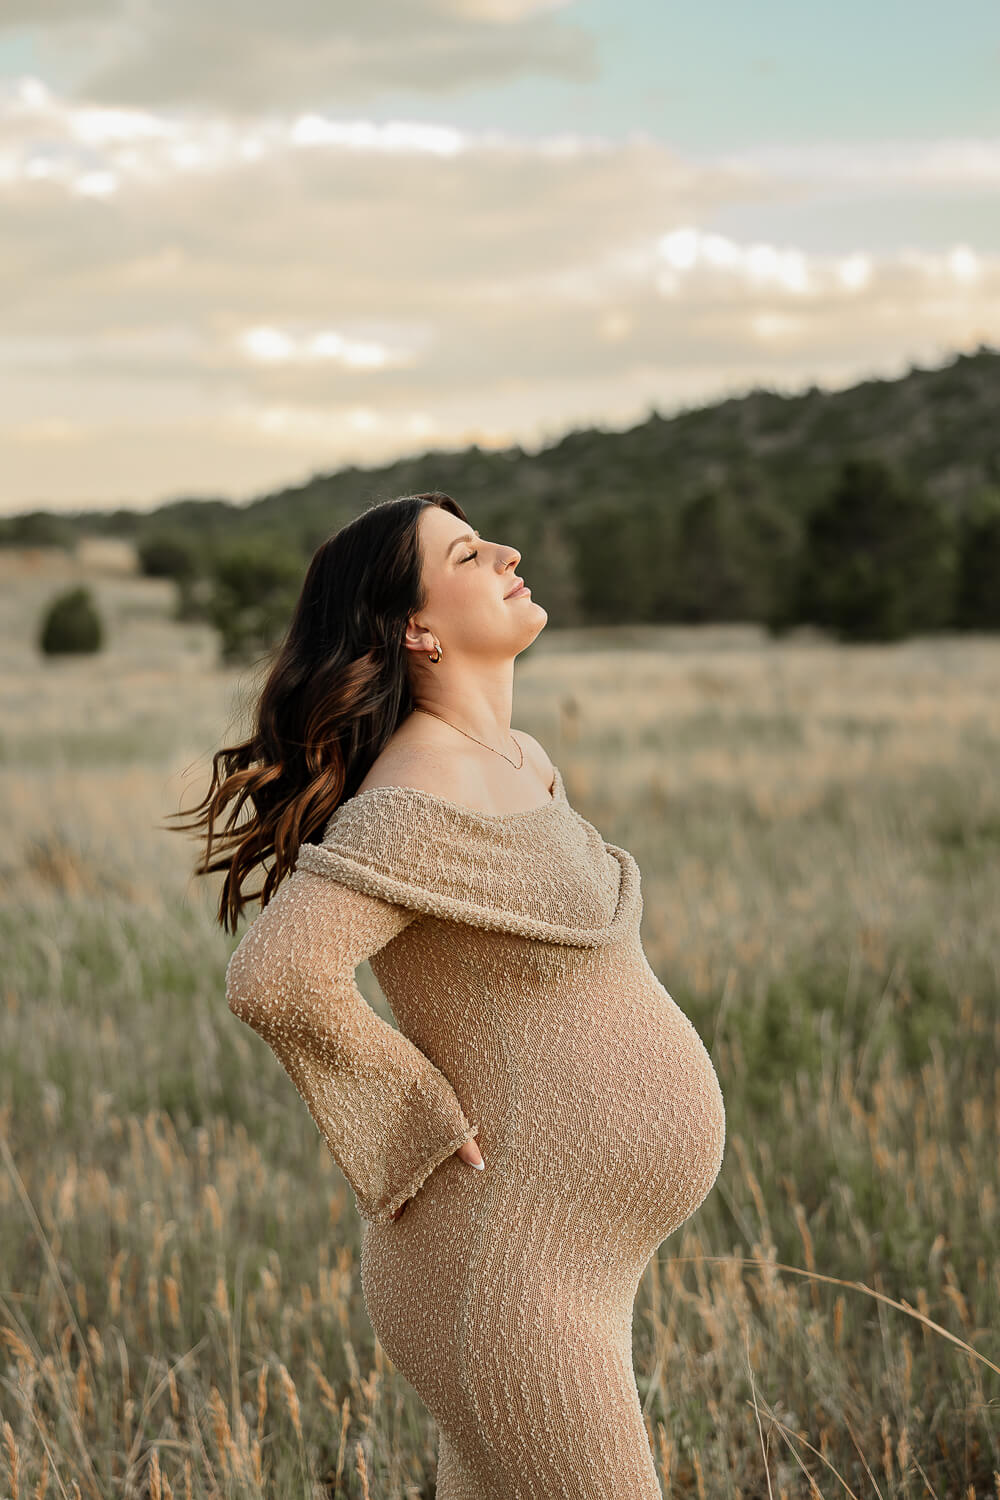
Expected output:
{"points": [[959, 163], [281, 222], [203, 304], [251, 55]]}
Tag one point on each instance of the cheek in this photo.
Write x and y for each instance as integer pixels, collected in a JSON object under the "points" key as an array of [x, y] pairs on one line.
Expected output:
{"points": [[466, 597], [477, 601]]}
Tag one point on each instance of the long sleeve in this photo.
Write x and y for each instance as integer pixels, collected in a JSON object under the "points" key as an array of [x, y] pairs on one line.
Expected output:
{"points": [[387, 1113]]}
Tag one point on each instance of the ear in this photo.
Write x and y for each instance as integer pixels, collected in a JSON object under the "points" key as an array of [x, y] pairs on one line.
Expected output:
{"points": [[417, 638]]}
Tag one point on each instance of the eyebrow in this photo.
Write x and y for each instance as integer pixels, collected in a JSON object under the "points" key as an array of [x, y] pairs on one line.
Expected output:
{"points": [[466, 538]]}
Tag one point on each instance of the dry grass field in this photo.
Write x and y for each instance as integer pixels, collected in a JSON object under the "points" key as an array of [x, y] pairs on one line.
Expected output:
{"points": [[818, 830]]}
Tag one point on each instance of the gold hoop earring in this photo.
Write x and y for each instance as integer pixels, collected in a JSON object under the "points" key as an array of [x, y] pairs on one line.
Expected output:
{"points": [[437, 654]]}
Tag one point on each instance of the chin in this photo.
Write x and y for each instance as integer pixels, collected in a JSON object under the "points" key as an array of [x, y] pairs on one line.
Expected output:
{"points": [[540, 620]]}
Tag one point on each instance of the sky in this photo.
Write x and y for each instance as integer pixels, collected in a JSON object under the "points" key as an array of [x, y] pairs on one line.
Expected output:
{"points": [[241, 243]]}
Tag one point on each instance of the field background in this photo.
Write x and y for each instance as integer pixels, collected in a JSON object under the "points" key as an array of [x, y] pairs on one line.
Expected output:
{"points": [[818, 828]]}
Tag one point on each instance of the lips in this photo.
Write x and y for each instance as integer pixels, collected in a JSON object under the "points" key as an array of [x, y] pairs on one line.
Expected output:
{"points": [[517, 589]]}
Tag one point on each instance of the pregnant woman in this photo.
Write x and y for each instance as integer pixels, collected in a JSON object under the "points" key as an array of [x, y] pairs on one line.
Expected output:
{"points": [[545, 1115]]}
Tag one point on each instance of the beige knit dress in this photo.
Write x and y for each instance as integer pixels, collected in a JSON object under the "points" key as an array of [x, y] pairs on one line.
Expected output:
{"points": [[508, 948]]}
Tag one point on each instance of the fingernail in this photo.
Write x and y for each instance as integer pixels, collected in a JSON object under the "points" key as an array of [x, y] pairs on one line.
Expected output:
{"points": [[480, 1166]]}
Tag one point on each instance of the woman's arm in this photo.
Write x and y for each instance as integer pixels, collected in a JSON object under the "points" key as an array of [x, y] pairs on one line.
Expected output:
{"points": [[388, 1115]]}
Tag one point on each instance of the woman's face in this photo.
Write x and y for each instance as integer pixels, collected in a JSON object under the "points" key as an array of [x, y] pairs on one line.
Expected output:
{"points": [[466, 581]]}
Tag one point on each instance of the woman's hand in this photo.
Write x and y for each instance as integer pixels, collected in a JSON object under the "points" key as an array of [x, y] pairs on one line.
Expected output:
{"points": [[469, 1152]]}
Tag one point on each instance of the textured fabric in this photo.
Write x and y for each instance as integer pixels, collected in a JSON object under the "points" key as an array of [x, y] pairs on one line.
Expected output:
{"points": [[508, 948]]}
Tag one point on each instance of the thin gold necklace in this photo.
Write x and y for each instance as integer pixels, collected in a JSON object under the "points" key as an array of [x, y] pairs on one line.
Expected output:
{"points": [[471, 736]]}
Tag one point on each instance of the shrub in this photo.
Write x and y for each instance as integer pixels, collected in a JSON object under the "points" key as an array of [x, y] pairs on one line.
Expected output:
{"points": [[38, 528], [255, 586], [977, 593], [167, 555], [878, 560], [71, 624], [716, 574]]}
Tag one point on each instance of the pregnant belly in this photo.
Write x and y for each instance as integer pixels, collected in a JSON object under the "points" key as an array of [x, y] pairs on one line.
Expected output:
{"points": [[627, 1106]]}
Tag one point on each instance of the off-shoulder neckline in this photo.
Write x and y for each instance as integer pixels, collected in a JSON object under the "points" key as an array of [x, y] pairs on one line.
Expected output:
{"points": [[557, 795], [448, 861]]}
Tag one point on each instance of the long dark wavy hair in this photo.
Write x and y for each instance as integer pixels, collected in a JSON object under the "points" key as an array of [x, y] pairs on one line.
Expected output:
{"points": [[334, 694]]}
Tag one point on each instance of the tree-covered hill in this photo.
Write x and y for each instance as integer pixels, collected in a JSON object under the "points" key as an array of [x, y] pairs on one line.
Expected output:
{"points": [[705, 514]]}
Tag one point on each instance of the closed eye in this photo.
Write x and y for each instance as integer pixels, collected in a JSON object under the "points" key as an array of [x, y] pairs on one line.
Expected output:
{"points": [[471, 556]]}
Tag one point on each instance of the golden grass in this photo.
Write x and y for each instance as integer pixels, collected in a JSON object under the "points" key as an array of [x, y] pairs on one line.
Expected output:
{"points": [[819, 834]]}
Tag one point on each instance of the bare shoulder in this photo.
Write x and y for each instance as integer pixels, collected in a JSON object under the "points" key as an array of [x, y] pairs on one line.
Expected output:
{"points": [[444, 773], [536, 753]]}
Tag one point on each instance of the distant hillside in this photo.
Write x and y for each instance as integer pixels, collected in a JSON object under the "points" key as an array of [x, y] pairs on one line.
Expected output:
{"points": [[606, 521]]}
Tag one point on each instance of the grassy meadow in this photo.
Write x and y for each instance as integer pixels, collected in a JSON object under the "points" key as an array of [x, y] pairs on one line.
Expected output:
{"points": [[818, 830]]}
